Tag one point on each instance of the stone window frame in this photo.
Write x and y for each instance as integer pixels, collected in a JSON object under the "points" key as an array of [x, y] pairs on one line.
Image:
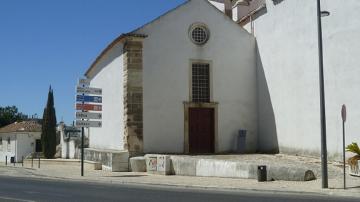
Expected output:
{"points": [[198, 25], [210, 63], [211, 105], [201, 82]]}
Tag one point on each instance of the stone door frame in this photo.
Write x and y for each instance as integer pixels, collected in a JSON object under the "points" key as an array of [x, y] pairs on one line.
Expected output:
{"points": [[212, 105]]}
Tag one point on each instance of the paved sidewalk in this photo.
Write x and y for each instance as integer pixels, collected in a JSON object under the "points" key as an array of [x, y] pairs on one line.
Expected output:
{"points": [[311, 187]]}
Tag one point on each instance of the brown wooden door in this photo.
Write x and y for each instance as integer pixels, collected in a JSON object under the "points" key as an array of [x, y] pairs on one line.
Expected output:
{"points": [[201, 130]]}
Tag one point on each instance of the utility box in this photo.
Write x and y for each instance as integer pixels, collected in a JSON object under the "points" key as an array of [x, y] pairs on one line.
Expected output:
{"points": [[241, 141]]}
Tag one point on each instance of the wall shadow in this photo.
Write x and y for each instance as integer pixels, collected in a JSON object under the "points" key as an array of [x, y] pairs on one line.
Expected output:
{"points": [[267, 133], [276, 2]]}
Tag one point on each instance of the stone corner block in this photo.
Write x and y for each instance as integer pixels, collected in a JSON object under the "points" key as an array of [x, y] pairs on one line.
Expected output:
{"points": [[138, 164], [158, 164]]}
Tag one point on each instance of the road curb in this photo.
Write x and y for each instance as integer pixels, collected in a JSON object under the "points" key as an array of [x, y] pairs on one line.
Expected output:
{"points": [[187, 186]]}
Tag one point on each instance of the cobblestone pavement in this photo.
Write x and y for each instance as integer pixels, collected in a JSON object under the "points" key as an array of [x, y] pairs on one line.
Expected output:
{"points": [[62, 172]]}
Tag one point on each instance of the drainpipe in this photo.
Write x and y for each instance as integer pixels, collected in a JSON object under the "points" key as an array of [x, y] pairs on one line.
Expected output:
{"points": [[228, 8], [252, 25]]}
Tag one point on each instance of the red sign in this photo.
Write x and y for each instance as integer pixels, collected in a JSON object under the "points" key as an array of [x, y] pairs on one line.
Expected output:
{"points": [[343, 113], [88, 107]]}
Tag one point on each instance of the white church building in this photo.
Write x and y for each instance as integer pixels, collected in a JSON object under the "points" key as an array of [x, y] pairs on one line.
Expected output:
{"points": [[188, 81]]}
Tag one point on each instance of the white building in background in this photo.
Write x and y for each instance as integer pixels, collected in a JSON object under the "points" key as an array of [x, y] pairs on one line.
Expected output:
{"points": [[188, 81], [70, 141], [288, 75], [19, 139]]}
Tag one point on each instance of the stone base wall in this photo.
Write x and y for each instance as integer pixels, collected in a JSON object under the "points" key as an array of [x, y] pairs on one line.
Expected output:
{"points": [[116, 161]]}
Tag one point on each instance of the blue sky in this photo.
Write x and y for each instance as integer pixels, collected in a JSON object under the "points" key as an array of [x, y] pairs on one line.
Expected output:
{"points": [[53, 42]]}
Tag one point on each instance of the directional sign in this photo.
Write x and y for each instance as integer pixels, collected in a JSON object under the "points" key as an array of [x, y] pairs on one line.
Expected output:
{"points": [[72, 130], [88, 115], [85, 82], [88, 107], [94, 91], [87, 98], [87, 124]]}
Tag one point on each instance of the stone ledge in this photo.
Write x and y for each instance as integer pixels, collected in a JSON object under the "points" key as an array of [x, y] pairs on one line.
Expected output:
{"points": [[114, 160], [189, 166]]}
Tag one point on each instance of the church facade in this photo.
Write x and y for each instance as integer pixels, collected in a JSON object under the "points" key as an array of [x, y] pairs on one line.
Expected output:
{"points": [[188, 81], [184, 83]]}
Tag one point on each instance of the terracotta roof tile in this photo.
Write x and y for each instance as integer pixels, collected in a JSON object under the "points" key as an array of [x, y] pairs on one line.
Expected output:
{"points": [[24, 126]]}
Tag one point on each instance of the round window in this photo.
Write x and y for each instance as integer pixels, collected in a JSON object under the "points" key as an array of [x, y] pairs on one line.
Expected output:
{"points": [[199, 34]]}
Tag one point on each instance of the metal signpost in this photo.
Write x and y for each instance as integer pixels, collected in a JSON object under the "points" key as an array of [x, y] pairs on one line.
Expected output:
{"points": [[88, 124], [88, 107], [94, 99], [85, 95], [88, 115], [86, 90], [343, 116]]}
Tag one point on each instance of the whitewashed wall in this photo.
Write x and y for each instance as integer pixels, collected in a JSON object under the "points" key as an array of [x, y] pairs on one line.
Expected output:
{"points": [[218, 4], [25, 144], [287, 41], [5, 152], [167, 54], [109, 77]]}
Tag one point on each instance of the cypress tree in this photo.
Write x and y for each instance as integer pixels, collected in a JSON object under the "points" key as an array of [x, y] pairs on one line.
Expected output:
{"points": [[48, 135]]}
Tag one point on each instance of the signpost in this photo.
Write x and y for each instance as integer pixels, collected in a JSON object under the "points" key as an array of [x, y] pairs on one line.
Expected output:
{"points": [[88, 107], [86, 90], [87, 124], [72, 132], [85, 94], [88, 115], [343, 116], [85, 82], [94, 99]]}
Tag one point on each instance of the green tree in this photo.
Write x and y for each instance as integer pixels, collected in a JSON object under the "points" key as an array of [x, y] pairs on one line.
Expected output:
{"points": [[48, 135], [10, 114], [353, 161]]}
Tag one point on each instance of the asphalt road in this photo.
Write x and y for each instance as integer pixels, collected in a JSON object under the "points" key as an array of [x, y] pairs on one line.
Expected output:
{"points": [[28, 189]]}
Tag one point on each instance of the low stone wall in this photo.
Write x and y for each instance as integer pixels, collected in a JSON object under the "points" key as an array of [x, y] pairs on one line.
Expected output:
{"points": [[138, 164], [113, 160], [190, 166], [355, 170]]}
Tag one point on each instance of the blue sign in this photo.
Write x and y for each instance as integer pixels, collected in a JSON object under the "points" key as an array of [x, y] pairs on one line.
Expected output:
{"points": [[86, 98]]}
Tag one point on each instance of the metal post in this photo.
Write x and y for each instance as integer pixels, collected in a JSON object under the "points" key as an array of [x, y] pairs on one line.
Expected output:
{"points": [[6, 160], [82, 151], [14, 161], [39, 162], [344, 153], [82, 137], [32, 160], [324, 168], [22, 161]]}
